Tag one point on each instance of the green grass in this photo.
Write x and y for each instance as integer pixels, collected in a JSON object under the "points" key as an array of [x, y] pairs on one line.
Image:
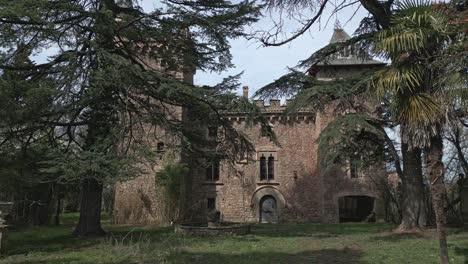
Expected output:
{"points": [[286, 243]]}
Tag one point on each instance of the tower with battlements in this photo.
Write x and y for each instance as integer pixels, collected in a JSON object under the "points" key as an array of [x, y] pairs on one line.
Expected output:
{"points": [[282, 181]]}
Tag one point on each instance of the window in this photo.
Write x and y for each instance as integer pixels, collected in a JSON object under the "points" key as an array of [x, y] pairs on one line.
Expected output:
{"points": [[267, 167], [271, 167], [211, 204], [212, 171], [263, 168], [212, 132], [354, 162], [160, 147]]}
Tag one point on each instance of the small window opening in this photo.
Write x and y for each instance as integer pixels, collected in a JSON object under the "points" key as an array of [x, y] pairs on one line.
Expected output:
{"points": [[160, 147], [265, 132], [271, 167], [354, 165], [263, 168], [212, 171], [211, 204], [212, 132]]}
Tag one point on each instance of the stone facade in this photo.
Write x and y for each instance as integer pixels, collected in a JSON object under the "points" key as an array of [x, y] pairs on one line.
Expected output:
{"points": [[298, 189]]}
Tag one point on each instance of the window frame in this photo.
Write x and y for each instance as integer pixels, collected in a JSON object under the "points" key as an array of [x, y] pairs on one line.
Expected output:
{"points": [[267, 165], [213, 171], [211, 201], [354, 166]]}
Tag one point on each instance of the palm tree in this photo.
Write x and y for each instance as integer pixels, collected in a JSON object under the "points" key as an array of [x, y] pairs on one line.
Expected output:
{"points": [[423, 85]]}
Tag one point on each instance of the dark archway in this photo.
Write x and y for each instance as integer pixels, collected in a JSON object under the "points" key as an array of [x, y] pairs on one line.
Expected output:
{"points": [[355, 208], [268, 210]]}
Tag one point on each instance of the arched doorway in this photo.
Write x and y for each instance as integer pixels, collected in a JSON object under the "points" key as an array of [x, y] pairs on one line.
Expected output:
{"points": [[268, 210], [355, 208]]}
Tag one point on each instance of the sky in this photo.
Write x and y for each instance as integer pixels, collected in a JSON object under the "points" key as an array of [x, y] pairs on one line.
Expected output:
{"points": [[262, 65]]}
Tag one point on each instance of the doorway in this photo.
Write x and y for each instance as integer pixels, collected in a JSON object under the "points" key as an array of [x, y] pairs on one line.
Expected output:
{"points": [[355, 208], [268, 210]]}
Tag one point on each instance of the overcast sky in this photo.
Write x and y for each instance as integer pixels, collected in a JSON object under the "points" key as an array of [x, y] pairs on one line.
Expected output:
{"points": [[262, 65]]}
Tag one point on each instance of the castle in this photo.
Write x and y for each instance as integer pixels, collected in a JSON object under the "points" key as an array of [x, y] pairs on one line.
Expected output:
{"points": [[283, 182]]}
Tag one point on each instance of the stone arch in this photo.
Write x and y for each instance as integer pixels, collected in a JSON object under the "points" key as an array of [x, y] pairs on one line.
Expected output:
{"points": [[268, 191]]}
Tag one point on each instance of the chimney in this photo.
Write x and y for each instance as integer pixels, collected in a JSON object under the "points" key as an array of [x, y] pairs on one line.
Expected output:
{"points": [[245, 93]]}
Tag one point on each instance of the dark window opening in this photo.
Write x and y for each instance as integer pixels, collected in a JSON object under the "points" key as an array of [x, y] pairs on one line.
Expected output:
{"points": [[355, 162], [212, 171], [213, 132], [267, 167], [211, 204], [271, 167], [265, 131], [263, 168], [160, 147], [355, 208]]}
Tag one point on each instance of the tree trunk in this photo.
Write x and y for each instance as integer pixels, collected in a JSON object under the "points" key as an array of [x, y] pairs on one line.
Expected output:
{"points": [[90, 209], [57, 210], [41, 209], [414, 207], [435, 170]]}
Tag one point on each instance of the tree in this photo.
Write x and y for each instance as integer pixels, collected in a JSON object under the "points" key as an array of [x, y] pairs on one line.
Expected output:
{"points": [[308, 12], [343, 136], [421, 88], [426, 49], [111, 73]]}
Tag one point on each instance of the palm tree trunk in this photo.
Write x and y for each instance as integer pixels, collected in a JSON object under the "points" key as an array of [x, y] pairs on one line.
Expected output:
{"points": [[435, 170], [414, 208]]}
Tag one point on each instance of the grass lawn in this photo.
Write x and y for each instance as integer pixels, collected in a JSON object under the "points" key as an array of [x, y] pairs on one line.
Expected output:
{"points": [[286, 243]]}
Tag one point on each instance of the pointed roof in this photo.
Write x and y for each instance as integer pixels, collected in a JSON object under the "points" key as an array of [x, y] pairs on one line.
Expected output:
{"points": [[125, 3], [349, 57], [339, 35]]}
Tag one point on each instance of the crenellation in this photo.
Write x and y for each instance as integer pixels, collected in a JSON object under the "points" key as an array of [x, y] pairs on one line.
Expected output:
{"points": [[282, 182]]}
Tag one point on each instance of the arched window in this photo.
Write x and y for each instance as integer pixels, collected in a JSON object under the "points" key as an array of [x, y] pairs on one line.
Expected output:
{"points": [[263, 168], [271, 167]]}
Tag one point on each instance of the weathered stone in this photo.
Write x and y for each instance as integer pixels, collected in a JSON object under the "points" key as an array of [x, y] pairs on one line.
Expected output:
{"points": [[302, 191]]}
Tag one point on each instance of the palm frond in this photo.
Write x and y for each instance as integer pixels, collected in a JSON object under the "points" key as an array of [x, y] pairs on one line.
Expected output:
{"points": [[395, 80], [418, 109]]}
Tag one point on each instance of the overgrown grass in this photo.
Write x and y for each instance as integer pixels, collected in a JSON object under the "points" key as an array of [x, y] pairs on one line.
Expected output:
{"points": [[286, 243]]}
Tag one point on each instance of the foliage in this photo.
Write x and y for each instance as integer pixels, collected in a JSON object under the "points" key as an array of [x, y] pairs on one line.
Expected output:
{"points": [[172, 176], [422, 84], [351, 134], [90, 78]]}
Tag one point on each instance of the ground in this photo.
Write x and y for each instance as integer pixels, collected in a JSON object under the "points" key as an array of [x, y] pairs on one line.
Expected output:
{"points": [[286, 243]]}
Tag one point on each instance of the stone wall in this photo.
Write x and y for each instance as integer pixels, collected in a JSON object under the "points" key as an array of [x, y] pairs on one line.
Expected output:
{"points": [[140, 200], [295, 185], [303, 192]]}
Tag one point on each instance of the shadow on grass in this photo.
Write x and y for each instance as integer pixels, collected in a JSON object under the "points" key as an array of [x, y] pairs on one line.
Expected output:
{"points": [[45, 240], [318, 230], [462, 251], [397, 237], [69, 260], [328, 256], [55, 239], [50, 261]]}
